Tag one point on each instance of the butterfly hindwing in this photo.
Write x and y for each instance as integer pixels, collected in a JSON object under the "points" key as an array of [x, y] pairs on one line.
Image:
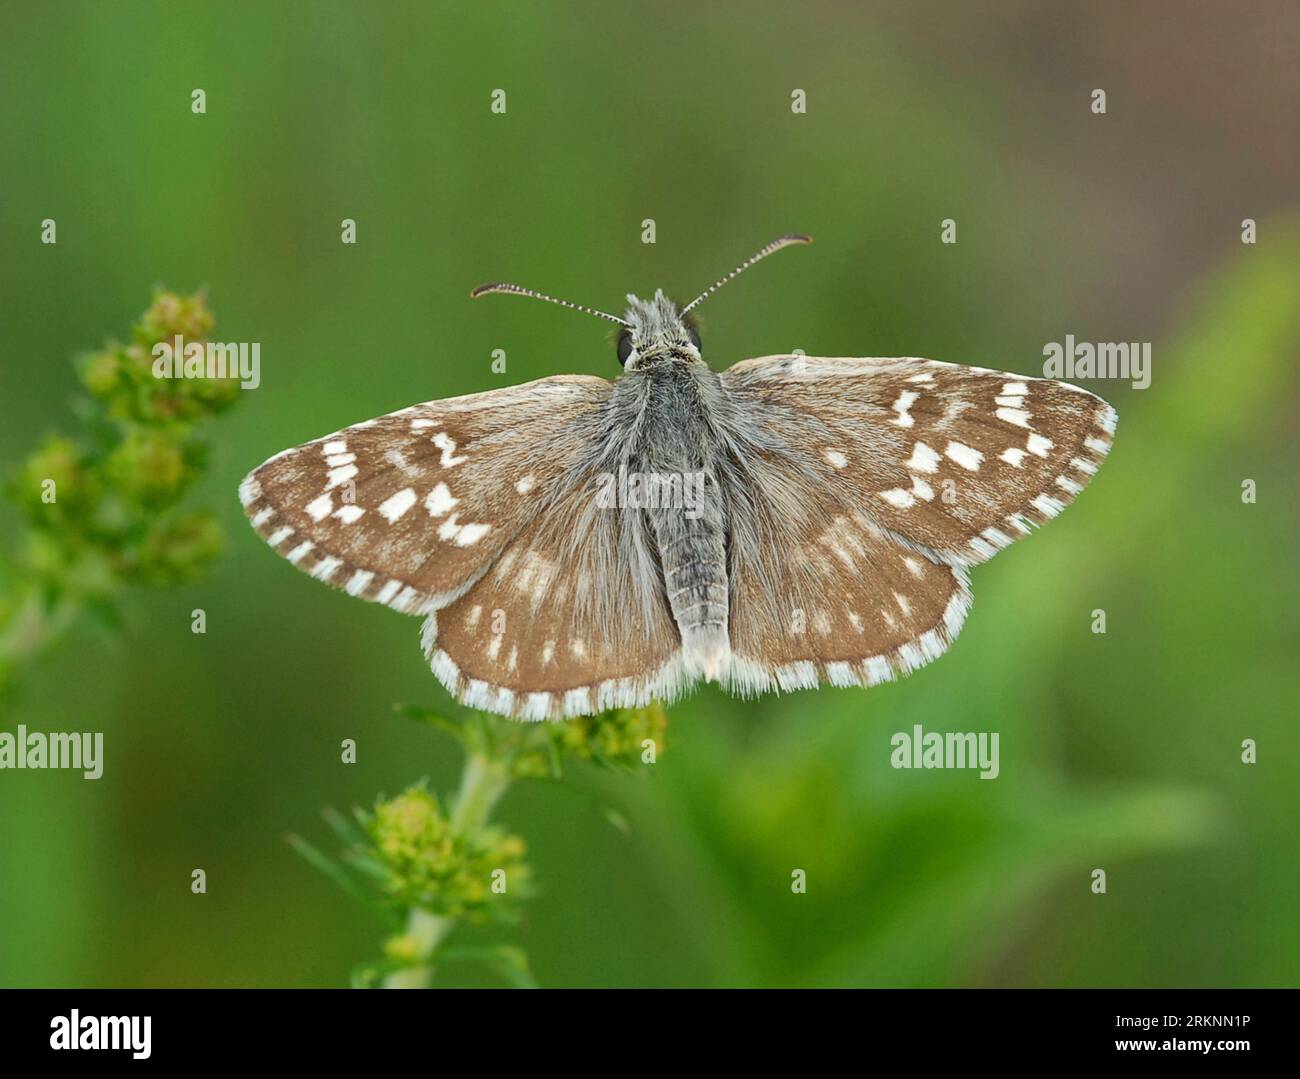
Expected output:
{"points": [[957, 460], [570, 619], [410, 508], [821, 593]]}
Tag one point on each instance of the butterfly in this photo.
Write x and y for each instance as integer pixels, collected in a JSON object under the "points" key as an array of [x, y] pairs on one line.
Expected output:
{"points": [[797, 520]]}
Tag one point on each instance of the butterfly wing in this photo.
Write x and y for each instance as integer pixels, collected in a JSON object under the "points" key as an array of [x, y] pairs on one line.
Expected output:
{"points": [[879, 481], [411, 508], [484, 509], [821, 593], [572, 619], [958, 460]]}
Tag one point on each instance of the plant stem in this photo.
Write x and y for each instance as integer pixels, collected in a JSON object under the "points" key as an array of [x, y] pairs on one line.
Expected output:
{"points": [[482, 783]]}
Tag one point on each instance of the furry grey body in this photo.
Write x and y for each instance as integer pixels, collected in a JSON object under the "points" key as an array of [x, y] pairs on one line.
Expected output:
{"points": [[670, 415], [675, 434]]}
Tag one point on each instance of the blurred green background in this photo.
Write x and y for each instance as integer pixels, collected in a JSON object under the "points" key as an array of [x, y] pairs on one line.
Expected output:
{"points": [[1119, 751]]}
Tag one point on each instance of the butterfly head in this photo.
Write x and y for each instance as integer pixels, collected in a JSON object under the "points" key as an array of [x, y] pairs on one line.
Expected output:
{"points": [[657, 332], [654, 331]]}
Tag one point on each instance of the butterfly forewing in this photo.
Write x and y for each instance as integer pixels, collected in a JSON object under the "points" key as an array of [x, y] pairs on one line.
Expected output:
{"points": [[411, 508], [957, 460]]}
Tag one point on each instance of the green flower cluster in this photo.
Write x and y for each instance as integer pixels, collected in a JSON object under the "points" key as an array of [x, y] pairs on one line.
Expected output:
{"points": [[621, 737], [122, 376], [445, 868], [103, 510], [475, 873]]}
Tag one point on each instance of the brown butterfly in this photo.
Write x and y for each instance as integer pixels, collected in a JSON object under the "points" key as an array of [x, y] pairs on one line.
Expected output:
{"points": [[576, 544]]}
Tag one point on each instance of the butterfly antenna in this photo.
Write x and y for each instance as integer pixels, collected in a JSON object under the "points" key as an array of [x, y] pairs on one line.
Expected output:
{"points": [[775, 245], [519, 290]]}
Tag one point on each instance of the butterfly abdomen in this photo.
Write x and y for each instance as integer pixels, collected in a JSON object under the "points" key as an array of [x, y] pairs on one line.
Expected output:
{"points": [[693, 558]]}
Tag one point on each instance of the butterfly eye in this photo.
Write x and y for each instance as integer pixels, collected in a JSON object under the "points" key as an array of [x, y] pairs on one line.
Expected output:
{"points": [[624, 347], [694, 336]]}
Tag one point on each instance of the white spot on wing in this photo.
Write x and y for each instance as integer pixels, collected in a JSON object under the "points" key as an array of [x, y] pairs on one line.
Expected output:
{"points": [[964, 455], [395, 506], [439, 501], [340, 475], [471, 534], [537, 706], [358, 581], [905, 401], [841, 674], [320, 508], [447, 444], [295, 556], [324, 569], [898, 497], [878, 670], [1047, 505], [923, 459], [1017, 416]]}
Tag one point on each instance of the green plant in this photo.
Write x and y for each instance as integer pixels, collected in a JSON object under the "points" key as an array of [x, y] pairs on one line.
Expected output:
{"points": [[426, 866], [104, 510]]}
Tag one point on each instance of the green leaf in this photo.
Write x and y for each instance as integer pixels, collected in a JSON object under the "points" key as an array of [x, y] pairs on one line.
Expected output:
{"points": [[335, 872]]}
